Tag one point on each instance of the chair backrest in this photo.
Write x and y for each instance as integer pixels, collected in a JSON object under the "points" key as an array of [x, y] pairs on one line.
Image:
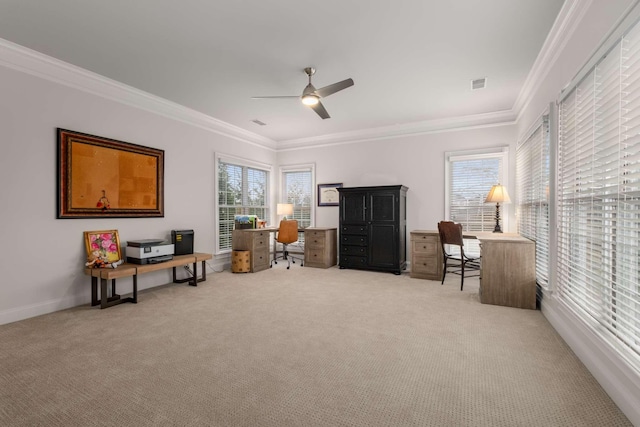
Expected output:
{"points": [[288, 231], [450, 233]]}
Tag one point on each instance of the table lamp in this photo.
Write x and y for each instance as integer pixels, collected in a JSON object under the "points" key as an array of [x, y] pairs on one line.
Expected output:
{"points": [[285, 209], [498, 194]]}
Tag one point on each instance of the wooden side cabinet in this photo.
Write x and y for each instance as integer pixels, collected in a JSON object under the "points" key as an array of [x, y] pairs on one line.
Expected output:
{"points": [[426, 255], [255, 240], [320, 247], [508, 273]]}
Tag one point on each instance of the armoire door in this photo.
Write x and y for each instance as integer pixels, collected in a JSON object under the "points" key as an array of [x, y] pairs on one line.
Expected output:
{"points": [[352, 208], [382, 206], [383, 228], [383, 248]]}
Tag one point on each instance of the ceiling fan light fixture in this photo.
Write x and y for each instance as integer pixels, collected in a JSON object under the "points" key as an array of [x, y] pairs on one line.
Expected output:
{"points": [[311, 96], [310, 99]]}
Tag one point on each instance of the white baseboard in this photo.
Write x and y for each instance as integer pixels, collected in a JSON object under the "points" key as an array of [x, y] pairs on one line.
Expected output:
{"points": [[620, 380], [46, 307]]}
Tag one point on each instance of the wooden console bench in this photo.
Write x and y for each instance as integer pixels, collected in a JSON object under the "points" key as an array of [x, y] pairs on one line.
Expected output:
{"points": [[127, 270]]}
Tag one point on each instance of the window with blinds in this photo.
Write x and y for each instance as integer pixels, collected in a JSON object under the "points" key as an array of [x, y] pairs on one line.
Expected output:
{"points": [[469, 179], [599, 197], [242, 190], [532, 195], [299, 192]]}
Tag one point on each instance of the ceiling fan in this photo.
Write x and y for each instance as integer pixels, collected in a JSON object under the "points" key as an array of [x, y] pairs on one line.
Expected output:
{"points": [[311, 96]]}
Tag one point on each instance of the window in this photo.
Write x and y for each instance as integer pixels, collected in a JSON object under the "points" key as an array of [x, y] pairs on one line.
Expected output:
{"points": [[532, 190], [599, 197], [469, 177], [297, 189], [243, 189]]}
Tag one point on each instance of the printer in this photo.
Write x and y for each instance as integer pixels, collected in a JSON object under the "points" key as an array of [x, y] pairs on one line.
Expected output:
{"points": [[149, 251]]}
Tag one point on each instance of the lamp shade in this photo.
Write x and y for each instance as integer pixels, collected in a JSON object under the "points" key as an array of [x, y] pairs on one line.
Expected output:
{"points": [[498, 194], [285, 209]]}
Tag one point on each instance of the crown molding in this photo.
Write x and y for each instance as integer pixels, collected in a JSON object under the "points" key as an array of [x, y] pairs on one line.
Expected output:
{"points": [[43, 66], [498, 118], [570, 16], [46, 67]]}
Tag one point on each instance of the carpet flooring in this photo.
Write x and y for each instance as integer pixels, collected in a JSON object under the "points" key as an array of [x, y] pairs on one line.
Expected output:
{"points": [[298, 347]]}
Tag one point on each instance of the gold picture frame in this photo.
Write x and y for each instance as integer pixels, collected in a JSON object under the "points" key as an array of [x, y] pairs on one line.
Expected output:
{"points": [[105, 242], [101, 177]]}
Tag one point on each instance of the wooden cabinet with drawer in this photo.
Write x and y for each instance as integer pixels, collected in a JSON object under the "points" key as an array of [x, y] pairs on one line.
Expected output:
{"points": [[256, 241], [320, 247], [426, 255]]}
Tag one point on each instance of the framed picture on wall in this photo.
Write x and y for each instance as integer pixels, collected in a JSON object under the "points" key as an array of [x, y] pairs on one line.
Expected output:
{"points": [[100, 177], [328, 194]]}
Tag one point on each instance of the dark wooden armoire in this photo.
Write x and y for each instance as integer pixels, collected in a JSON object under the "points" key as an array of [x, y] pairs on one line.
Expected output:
{"points": [[373, 226]]}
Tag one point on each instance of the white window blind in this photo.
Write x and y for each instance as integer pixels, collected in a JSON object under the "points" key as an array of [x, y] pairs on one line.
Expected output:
{"points": [[532, 191], [242, 190], [470, 177], [599, 197]]}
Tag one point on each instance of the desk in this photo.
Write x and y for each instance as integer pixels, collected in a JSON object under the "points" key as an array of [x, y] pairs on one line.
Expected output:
{"points": [[132, 270], [508, 270], [320, 252], [508, 265], [256, 241]]}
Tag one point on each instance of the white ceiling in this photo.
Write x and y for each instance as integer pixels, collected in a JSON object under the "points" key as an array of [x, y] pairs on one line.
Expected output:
{"points": [[412, 60]]}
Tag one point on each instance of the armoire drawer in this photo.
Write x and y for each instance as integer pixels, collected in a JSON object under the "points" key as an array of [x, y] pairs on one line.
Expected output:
{"points": [[353, 229], [353, 250], [353, 240], [352, 261]]}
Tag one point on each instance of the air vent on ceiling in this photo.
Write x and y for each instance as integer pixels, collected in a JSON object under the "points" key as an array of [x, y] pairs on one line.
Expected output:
{"points": [[479, 83], [258, 122]]}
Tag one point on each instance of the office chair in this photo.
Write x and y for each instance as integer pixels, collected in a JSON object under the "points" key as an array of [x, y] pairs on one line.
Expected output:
{"points": [[287, 234], [451, 235]]}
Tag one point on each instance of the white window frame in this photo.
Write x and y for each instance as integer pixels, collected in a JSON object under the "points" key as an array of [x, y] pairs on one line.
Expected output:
{"points": [[597, 292], [535, 146], [239, 161], [307, 167], [501, 153]]}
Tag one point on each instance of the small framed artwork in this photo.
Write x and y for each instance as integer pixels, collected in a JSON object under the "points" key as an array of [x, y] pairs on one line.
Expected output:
{"points": [[328, 194], [104, 245]]}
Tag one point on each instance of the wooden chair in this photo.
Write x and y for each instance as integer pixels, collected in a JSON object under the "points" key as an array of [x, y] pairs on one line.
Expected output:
{"points": [[450, 238], [287, 234]]}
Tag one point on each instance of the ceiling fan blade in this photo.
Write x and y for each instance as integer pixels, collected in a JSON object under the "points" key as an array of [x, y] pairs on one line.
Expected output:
{"points": [[328, 90], [271, 97], [319, 108]]}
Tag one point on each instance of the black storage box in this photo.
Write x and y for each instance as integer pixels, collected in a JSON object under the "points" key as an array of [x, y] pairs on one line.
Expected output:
{"points": [[182, 242]]}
